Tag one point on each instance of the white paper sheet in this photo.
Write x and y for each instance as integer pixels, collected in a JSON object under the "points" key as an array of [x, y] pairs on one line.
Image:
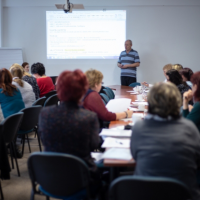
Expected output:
{"points": [[118, 153], [118, 105], [97, 156], [141, 103], [116, 133], [115, 142]]}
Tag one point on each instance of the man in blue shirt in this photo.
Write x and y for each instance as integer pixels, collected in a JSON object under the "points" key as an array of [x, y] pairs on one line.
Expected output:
{"points": [[128, 61]]}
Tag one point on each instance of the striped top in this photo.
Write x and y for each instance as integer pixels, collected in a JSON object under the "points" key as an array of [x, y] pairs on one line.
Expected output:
{"points": [[130, 58]]}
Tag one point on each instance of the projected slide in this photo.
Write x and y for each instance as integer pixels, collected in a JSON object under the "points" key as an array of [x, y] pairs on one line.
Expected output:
{"points": [[85, 34]]}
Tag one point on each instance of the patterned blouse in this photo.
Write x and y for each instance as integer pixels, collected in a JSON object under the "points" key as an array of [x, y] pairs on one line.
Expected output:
{"points": [[32, 81], [69, 129]]}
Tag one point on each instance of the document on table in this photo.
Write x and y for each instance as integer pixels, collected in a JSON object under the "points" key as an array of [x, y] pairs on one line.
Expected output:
{"points": [[114, 142], [118, 154], [140, 103], [97, 156], [115, 133], [118, 105]]}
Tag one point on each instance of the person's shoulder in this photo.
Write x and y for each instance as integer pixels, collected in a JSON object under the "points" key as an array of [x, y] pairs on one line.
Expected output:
{"points": [[186, 125], [134, 51], [49, 110], [27, 85], [197, 104], [88, 113]]}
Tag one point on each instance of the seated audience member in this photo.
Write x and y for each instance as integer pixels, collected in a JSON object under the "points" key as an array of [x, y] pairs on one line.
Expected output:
{"points": [[177, 67], [25, 65], [29, 79], [25, 88], [44, 82], [93, 101], [166, 68], [165, 144], [67, 128], [11, 100], [194, 114], [173, 76], [186, 74]]}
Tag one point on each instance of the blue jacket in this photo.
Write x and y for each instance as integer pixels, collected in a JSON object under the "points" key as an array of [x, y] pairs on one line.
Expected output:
{"points": [[11, 104]]}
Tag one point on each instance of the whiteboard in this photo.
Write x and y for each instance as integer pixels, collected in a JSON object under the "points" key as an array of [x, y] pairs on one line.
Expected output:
{"points": [[9, 56]]}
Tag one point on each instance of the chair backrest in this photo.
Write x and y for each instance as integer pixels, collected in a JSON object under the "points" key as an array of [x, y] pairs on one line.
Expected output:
{"points": [[30, 119], [147, 188], [52, 100], [57, 173], [104, 97], [51, 93], [11, 125], [134, 84], [111, 92], [108, 93], [40, 101]]}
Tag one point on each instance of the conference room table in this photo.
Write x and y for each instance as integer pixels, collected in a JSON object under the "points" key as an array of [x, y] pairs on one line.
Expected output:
{"points": [[120, 92]]}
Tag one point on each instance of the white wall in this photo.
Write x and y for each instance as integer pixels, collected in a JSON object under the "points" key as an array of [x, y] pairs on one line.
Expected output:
{"points": [[161, 35]]}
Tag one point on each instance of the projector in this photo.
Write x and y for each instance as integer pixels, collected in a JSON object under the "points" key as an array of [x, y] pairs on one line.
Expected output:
{"points": [[68, 7]]}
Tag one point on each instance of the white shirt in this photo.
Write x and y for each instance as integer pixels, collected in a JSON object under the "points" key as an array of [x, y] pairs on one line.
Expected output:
{"points": [[27, 93]]}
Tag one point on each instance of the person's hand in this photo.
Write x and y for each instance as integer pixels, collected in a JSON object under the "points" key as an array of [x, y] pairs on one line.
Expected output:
{"points": [[130, 113], [124, 66], [120, 65], [187, 96], [145, 84]]}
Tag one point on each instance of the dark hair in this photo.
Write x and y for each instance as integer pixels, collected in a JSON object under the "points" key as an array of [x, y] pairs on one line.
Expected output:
{"points": [[24, 64], [195, 79], [6, 82], [71, 85], [186, 72], [38, 68], [174, 77]]}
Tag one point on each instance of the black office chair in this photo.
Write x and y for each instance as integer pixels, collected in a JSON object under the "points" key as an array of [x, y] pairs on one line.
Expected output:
{"points": [[30, 120], [105, 97], [51, 93], [40, 101], [58, 175], [10, 127], [147, 188], [52, 100], [109, 92]]}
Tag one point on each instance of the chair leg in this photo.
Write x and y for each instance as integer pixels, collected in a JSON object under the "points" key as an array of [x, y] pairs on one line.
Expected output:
{"points": [[1, 192], [23, 138], [32, 195], [15, 157], [38, 140], [28, 143], [11, 156], [47, 198]]}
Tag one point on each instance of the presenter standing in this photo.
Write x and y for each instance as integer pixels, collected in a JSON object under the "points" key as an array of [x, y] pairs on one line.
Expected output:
{"points": [[128, 61]]}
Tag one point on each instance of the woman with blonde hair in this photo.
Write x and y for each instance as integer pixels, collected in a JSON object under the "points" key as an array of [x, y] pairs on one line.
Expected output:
{"points": [[177, 67], [93, 101], [29, 79], [165, 144], [25, 88]]}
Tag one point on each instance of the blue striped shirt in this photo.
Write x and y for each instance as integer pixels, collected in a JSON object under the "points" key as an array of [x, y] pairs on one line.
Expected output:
{"points": [[130, 58]]}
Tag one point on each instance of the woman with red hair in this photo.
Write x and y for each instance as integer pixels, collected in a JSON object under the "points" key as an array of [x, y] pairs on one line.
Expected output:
{"points": [[68, 128], [194, 114]]}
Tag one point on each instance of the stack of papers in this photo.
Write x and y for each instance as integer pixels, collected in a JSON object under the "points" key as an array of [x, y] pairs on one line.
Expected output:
{"points": [[116, 133], [117, 153], [118, 105], [114, 142]]}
